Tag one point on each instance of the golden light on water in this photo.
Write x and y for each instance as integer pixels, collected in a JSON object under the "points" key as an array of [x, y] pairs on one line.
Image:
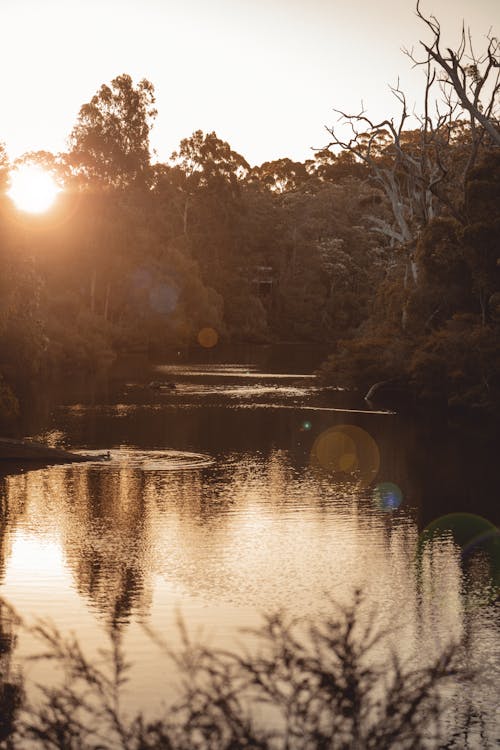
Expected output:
{"points": [[33, 558], [32, 189]]}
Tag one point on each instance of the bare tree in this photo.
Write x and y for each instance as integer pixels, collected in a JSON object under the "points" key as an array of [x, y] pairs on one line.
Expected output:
{"points": [[412, 167], [468, 80], [402, 167]]}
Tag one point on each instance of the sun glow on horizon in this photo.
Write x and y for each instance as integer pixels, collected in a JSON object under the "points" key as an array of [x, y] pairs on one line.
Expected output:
{"points": [[33, 189]]}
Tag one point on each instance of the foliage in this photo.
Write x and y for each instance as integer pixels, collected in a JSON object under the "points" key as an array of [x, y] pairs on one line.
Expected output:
{"points": [[434, 319], [84, 346], [110, 141], [365, 360], [22, 331], [459, 362], [335, 684], [9, 405], [207, 162], [377, 247], [4, 167]]}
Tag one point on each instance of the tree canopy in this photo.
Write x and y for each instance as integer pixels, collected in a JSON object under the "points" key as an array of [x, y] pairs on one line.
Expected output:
{"points": [[385, 246], [109, 145]]}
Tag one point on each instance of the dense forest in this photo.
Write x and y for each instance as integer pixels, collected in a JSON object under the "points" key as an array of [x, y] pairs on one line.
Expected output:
{"points": [[385, 244]]}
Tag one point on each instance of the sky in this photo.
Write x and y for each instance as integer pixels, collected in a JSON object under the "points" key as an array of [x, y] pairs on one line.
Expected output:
{"points": [[264, 74]]}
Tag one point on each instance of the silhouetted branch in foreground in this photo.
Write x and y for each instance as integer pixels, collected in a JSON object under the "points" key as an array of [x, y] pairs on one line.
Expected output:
{"points": [[306, 686]]}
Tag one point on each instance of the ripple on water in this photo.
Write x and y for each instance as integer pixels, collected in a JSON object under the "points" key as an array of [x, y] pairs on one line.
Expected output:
{"points": [[151, 460]]}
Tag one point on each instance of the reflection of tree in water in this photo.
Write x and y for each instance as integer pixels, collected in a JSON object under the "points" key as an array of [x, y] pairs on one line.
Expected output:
{"points": [[99, 515], [106, 539], [9, 515], [3, 526], [457, 597], [10, 688]]}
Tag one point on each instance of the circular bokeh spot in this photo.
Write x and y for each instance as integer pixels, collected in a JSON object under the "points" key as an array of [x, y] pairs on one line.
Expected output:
{"points": [[347, 449], [208, 337], [163, 298], [305, 426], [387, 496]]}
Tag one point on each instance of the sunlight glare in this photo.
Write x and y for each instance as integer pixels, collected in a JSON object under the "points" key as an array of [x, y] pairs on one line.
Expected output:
{"points": [[31, 556], [32, 188]]}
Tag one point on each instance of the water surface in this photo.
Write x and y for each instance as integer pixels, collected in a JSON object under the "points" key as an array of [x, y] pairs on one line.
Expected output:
{"points": [[214, 504]]}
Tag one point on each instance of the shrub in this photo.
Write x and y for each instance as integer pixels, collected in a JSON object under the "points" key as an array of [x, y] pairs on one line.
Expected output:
{"points": [[460, 362], [308, 687], [9, 405], [361, 362]]}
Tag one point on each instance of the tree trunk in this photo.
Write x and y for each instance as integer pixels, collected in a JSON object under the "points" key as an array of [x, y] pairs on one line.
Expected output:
{"points": [[185, 216], [106, 300], [93, 280]]}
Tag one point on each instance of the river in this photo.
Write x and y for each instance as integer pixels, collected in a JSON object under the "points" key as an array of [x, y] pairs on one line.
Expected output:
{"points": [[246, 489]]}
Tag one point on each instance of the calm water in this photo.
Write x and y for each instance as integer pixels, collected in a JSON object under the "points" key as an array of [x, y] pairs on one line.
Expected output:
{"points": [[244, 490]]}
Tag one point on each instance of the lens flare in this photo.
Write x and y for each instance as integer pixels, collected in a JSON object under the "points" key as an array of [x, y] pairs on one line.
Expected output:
{"points": [[347, 449], [208, 337], [387, 496], [163, 298]]}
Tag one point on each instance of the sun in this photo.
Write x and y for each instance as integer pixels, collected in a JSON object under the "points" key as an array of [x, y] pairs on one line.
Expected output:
{"points": [[32, 189]]}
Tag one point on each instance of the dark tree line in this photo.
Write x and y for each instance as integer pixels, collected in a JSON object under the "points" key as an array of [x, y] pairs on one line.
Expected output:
{"points": [[434, 324], [139, 256], [384, 244]]}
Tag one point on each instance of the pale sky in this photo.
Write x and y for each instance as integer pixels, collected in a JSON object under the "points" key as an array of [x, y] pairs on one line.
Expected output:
{"points": [[264, 74]]}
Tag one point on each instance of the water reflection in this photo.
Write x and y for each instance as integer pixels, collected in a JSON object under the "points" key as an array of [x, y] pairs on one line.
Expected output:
{"points": [[220, 512], [90, 523], [10, 685], [257, 531], [10, 688]]}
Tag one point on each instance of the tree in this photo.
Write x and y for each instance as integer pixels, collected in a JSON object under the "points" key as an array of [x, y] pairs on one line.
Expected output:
{"points": [[281, 175], [4, 167], [403, 167], [465, 76], [205, 163], [209, 162], [434, 318], [110, 141], [412, 168]]}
